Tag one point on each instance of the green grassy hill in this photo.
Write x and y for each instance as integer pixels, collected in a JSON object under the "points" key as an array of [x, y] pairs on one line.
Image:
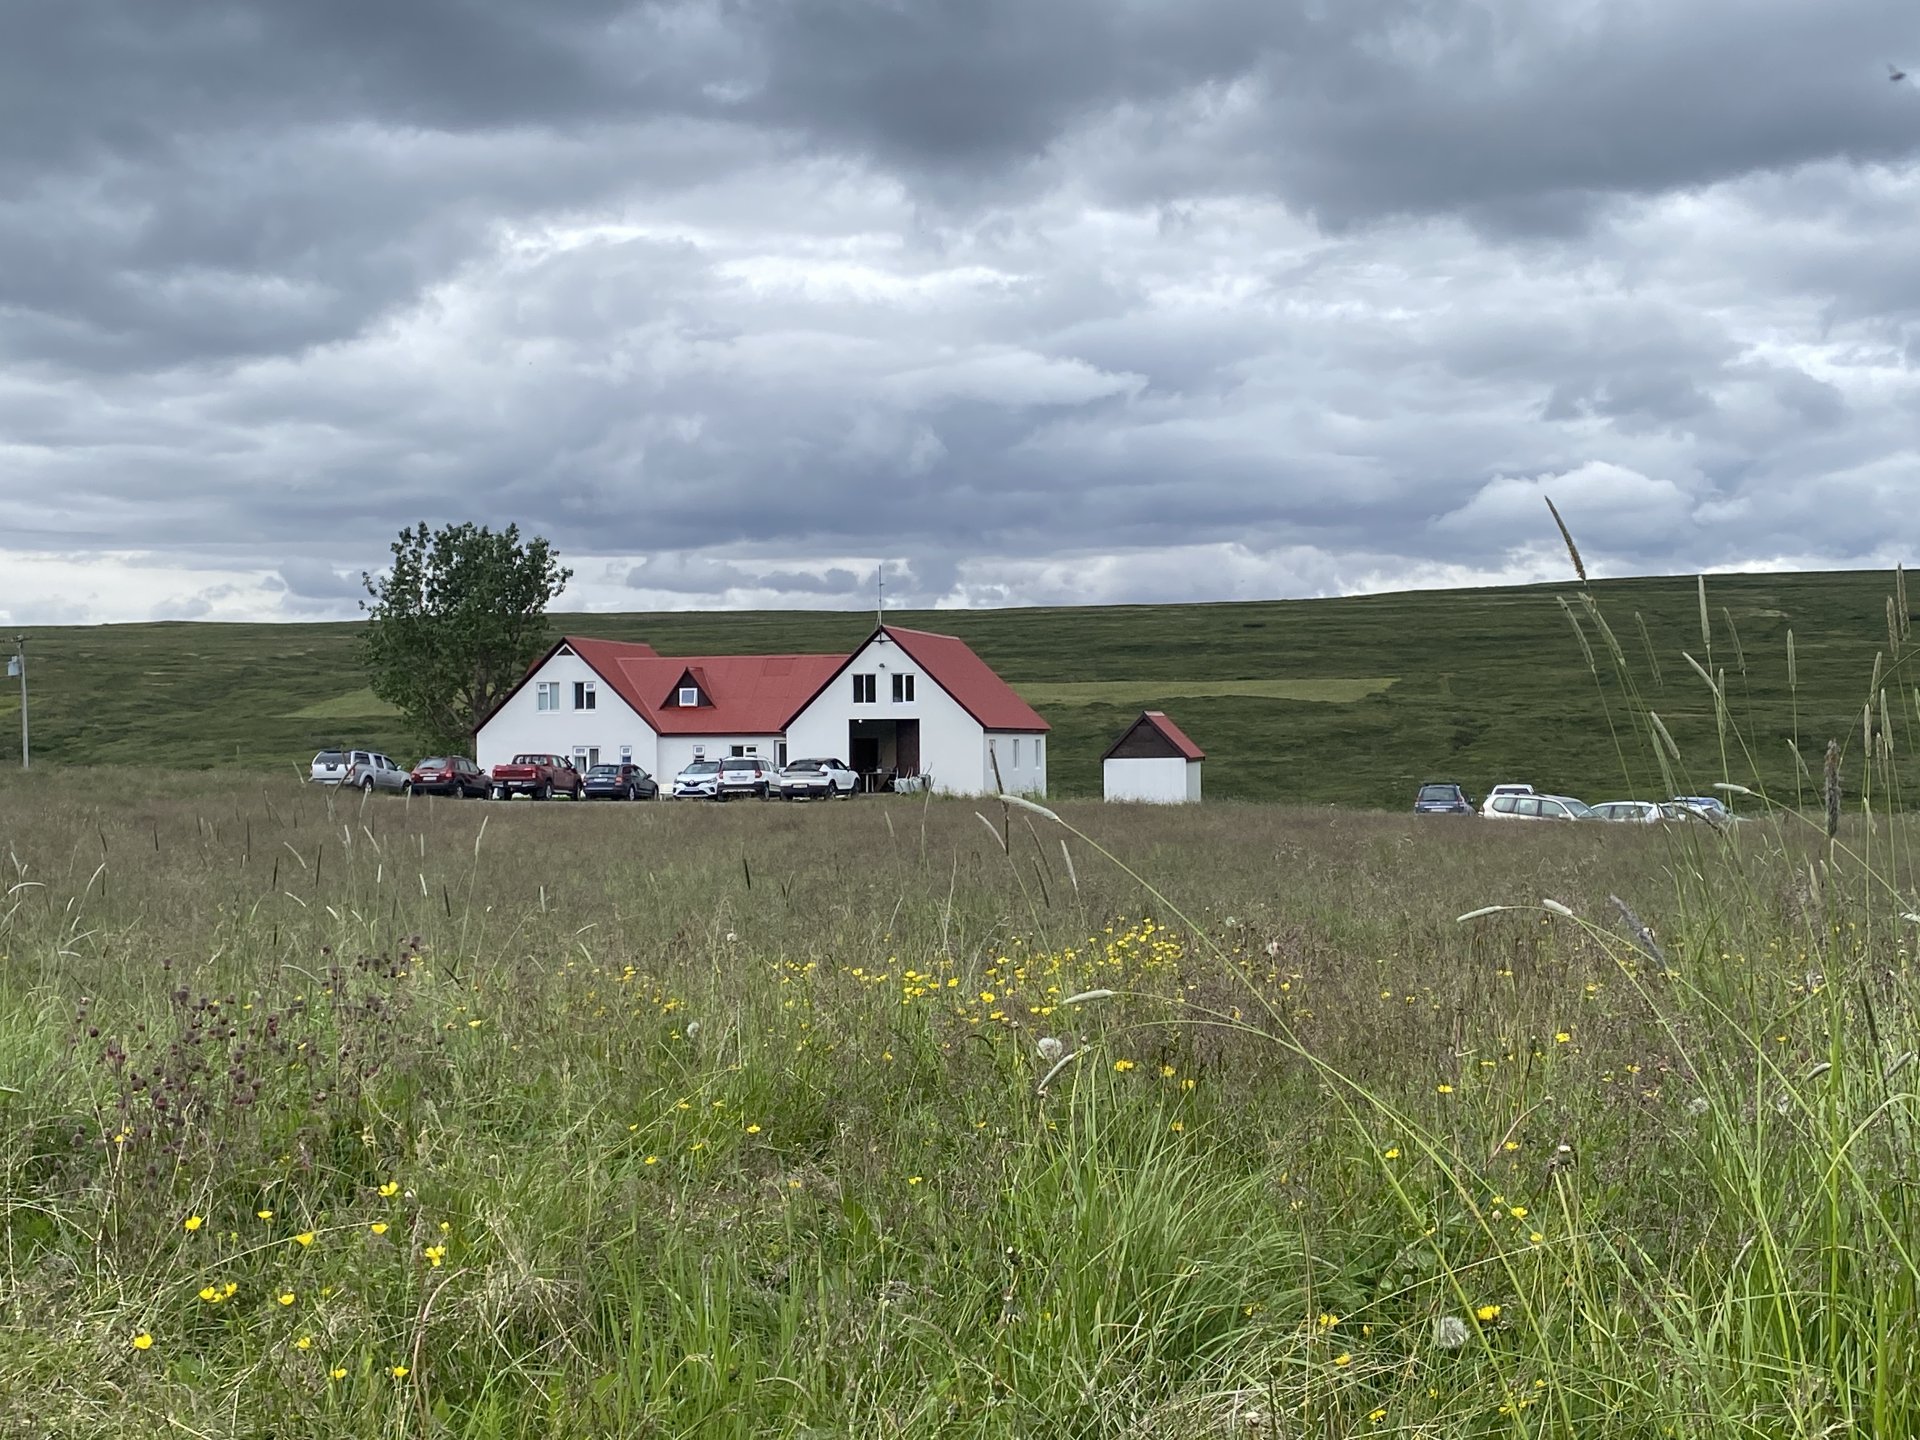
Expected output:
{"points": [[1347, 701]]}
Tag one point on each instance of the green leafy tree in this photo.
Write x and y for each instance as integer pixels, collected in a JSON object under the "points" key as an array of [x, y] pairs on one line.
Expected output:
{"points": [[454, 623]]}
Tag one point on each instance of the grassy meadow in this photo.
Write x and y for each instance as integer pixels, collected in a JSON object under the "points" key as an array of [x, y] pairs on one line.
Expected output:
{"points": [[369, 1117], [1350, 701]]}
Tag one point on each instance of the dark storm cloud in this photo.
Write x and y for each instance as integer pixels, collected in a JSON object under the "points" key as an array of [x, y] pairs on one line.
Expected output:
{"points": [[1077, 300]]}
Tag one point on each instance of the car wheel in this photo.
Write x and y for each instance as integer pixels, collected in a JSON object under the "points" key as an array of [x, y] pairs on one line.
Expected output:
{"points": [[543, 792], [367, 785]]}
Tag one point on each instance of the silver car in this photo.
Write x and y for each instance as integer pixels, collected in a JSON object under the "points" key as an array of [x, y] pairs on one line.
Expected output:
{"points": [[360, 769]]}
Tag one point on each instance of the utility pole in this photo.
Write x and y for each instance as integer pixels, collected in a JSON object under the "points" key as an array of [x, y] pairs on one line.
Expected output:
{"points": [[18, 666]]}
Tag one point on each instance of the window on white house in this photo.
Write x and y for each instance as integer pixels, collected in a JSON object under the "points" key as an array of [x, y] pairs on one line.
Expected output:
{"points": [[546, 695], [689, 696], [1039, 750], [781, 754], [902, 688], [739, 750], [583, 696], [1016, 752], [866, 690]]}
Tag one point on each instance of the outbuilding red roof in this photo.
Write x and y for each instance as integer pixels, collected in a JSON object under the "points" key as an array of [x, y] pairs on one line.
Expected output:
{"points": [[1157, 721]]}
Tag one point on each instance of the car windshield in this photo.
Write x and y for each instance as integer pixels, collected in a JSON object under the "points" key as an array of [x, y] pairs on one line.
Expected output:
{"points": [[1574, 807], [814, 765], [434, 762], [604, 770], [1436, 792], [702, 767], [528, 759], [330, 757], [738, 763]]}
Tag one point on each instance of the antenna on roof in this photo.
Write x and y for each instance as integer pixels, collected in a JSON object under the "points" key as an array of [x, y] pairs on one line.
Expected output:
{"points": [[880, 594]]}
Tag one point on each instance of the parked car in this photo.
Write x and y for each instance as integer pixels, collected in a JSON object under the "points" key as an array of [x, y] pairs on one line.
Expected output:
{"points": [[1706, 807], [620, 782], [747, 775], [1486, 806], [453, 775], [1536, 807], [540, 775], [361, 769], [1439, 798], [816, 780], [1634, 812], [699, 781]]}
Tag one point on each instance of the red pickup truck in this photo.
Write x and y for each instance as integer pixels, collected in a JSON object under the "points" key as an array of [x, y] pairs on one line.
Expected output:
{"points": [[537, 775]]}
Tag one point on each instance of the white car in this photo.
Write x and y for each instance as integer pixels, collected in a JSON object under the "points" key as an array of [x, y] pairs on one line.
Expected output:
{"points": [[1486, 806], [699, 781], [1536, 807], [1633, 812], [360, 769], [816, 780]]}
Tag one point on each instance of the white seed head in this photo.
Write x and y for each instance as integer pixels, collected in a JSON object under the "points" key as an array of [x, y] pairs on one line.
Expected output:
{"points": [[1051, 1048], [1450, 1332], [693, 1030], [1698, 1106], [731, 937]]}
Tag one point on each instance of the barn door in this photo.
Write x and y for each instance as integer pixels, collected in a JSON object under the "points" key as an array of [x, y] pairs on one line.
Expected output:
{"points": [[907, 747]]}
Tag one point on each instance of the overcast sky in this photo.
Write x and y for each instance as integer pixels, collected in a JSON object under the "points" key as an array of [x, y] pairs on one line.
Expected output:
{"points": [[1044, 301]]}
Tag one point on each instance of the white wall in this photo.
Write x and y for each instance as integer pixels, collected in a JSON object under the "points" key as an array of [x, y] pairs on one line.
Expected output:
{"points": [[1023, 762], [677, 751], [1165, 781], [520, 725], [953, 747]]}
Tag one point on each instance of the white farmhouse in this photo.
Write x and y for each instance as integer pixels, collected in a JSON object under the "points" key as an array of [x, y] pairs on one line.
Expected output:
{"points": [[1153, 761], [610, 700], [906, 704], [911, 703]]}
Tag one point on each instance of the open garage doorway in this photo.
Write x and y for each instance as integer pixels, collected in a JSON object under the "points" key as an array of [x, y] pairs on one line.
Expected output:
{"points": [[882, 751]]}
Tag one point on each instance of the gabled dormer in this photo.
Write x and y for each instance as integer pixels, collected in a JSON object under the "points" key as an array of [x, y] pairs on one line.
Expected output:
{"points": [[690, 692]]}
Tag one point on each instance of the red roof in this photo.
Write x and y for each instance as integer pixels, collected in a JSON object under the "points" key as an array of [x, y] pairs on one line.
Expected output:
{"points": [[1157, 721], [968, 679], [741, 694]]}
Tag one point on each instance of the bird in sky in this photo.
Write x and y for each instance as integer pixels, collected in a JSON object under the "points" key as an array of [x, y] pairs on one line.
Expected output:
{"points": [[1896, 74]]}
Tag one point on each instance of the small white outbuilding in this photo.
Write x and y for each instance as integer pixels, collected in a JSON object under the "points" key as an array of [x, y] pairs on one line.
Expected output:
{"points": [[1153, 760]]}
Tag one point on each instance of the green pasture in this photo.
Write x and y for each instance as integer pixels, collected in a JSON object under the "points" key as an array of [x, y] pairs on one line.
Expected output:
{"points": [[1350, 701]]}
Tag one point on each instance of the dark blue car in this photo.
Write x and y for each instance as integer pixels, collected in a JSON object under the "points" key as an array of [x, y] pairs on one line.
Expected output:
{"points": [[1442, 799], [619, 782]]}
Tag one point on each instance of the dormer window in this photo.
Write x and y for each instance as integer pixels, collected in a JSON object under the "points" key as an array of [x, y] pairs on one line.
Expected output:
{"points": [[689, 696]]}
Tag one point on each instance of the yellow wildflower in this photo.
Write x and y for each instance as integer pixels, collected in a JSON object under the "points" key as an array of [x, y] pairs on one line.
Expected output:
{"points": [[399, 1372], [1123, 1066], [337, 1373], [192, 1223], [1343, 1359], [305, 1237], [390, 1189], [1486, 1314], [143, 1341], [435, 1254], [286, 1297], [305, 1342], [379, 1227], [263, 1214]]}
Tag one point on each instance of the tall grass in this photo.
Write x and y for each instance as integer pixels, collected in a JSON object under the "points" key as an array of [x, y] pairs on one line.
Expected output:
{"points": [[395, 1118]]}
